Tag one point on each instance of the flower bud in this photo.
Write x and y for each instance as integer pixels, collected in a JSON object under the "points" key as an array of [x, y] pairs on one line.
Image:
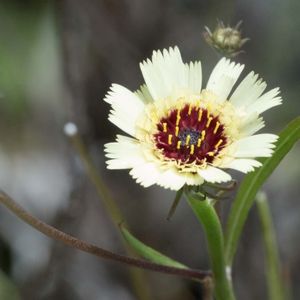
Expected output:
{"points": [[226, 40]]}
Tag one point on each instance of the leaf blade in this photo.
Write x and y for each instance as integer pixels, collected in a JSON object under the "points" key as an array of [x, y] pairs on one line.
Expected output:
{"points": [[252, 183]]}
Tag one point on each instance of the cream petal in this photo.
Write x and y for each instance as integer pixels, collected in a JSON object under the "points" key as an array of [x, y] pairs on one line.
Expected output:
{"points": [[251, 124], [126, 108], [259, 145], [165, 73], [248, 91], [125, 153], [144, 94], [194, 77], [171, 179], [265, 102], [214, 175], [223, 77], [243, 165], [146, 174]]}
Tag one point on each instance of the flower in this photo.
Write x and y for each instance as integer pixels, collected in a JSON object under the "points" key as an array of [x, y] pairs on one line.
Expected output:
{"points": [[183, 134]]}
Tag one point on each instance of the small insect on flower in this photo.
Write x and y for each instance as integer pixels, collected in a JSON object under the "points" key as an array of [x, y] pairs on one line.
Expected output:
{"points": [[182, 133]]}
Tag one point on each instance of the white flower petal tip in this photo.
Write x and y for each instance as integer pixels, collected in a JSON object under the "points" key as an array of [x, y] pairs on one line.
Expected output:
{"points": [[124, 103], [243, 165], [164, 73], [259, 145], [223, 77], [214, 175], [125, 153]]}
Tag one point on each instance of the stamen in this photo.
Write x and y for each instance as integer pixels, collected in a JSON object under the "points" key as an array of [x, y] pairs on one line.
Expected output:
{"points": [[192, 149], [170, 137], [216, 127], [199, 143], [208, 122], [218, 143], [165, 127], [176, 130], [211, 153], [178, 144], [187, 140], [203, 135], [200, 115], [190, 109], [178, 117]]}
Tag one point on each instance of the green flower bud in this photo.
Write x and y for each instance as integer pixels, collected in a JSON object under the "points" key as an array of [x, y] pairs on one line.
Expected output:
{"points": [[226, 40]]}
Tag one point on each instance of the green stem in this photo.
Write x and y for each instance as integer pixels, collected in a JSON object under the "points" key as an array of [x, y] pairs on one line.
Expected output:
{"points": [[137, 276], [275, 286], [208, 217]]}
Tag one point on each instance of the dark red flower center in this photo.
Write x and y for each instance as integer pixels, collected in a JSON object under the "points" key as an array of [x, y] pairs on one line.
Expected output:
{"points": [[189, 135]]}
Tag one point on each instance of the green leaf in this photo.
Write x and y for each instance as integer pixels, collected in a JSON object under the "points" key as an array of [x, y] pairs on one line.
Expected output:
{"points": [[209, 219], [276, 289], [148, 252], [252, 183]]}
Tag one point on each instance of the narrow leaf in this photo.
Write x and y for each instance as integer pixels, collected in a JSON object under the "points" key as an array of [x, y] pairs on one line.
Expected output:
{"points": [[148, 252], [252, 183], [272, 264]]}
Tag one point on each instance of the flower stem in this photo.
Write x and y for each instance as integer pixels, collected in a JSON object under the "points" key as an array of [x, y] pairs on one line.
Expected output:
{"points": [[208, 217], [274, 280], [73, 242]]}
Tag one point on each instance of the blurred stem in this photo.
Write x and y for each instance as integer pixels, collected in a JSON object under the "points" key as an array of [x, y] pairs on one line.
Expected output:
{"points": [[208, 217], [273, 269], [73, 242], [141, 289]]}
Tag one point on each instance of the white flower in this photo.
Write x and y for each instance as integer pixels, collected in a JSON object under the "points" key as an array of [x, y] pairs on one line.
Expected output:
{"points": [[182, 133]]}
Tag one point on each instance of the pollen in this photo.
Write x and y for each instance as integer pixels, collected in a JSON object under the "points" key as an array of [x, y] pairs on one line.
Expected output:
{"points": [[218, 143], [208, 122], [192, 150], [165, 127], [187, 141], [189, 136], [203, 133], [216, 127], [200, 115], [178, 117], [199, 143]]}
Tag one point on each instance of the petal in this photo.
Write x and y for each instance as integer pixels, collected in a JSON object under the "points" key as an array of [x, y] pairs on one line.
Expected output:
{"points": [[251, 124], [265, 102], [126, 108], [125, 153], [243, 165], [144, 94], [223, 77], [194, 77], [214, 175], [248, 91], [171, 179], [165, 73], [259, 145], [146, 174]]}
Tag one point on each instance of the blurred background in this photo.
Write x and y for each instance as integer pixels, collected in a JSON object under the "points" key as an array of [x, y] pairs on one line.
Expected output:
{"points": [[57, 61]]}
